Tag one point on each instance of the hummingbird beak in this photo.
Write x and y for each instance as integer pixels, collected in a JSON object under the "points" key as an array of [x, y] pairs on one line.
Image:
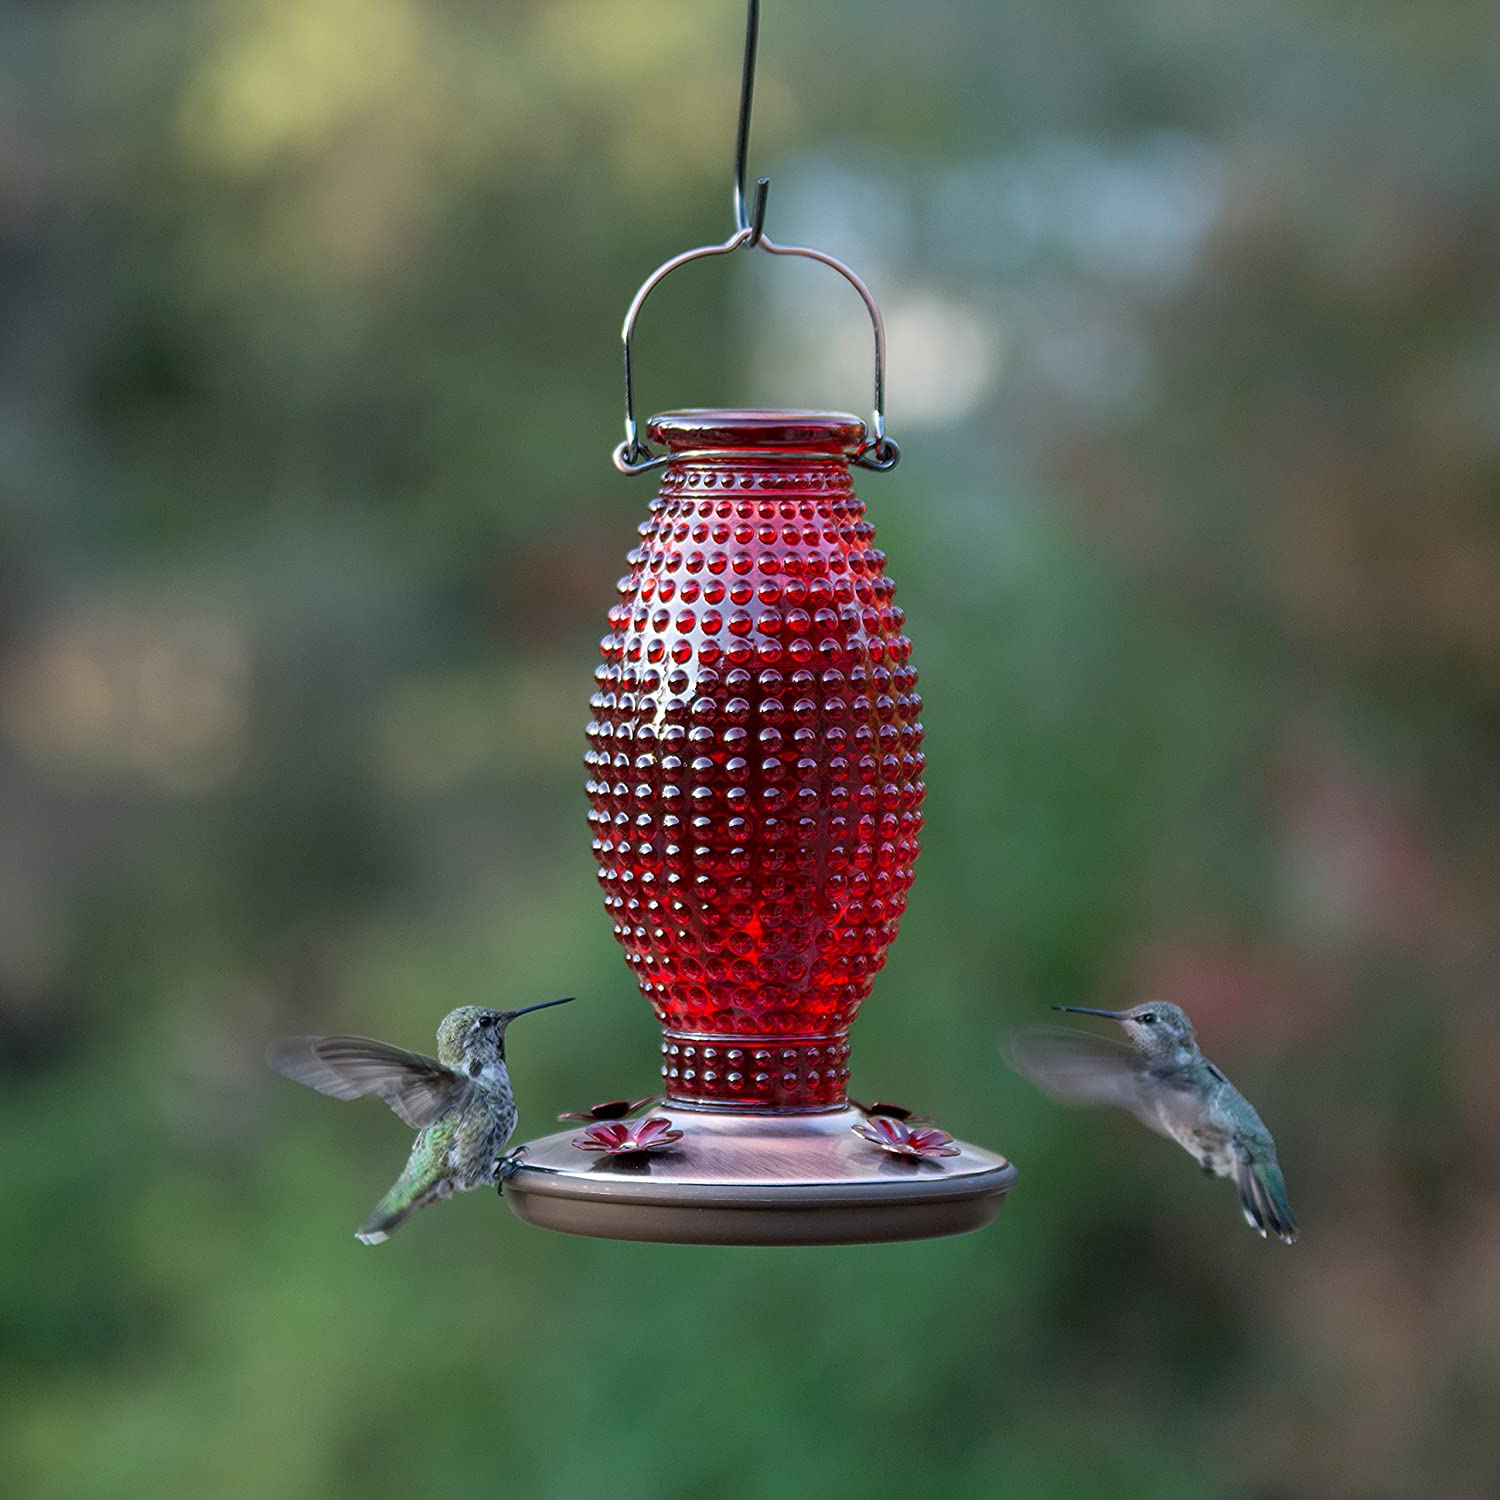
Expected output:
{"points": [[510, 1015], [1088, 1010]]}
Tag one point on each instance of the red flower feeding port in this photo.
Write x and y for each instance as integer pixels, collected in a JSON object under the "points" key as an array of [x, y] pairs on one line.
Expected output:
{"points": [[623, 1138], [755, 789]]}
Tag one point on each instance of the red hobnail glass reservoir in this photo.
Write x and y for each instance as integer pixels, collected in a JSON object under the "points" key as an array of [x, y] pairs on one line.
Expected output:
{"points": [[755, 758]]}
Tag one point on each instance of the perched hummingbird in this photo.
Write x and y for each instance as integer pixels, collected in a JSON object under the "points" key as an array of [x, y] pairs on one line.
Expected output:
{"points": [[459, 1102], [1168, 1085]]}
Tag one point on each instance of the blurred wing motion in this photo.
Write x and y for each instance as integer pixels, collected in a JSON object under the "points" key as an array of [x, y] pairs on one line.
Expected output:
{"points": [[1263, 1196], [1076, 1067], [417, 1087]]}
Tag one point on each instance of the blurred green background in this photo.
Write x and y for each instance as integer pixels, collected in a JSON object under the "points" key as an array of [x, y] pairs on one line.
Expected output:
{"points": [[307, 530]]}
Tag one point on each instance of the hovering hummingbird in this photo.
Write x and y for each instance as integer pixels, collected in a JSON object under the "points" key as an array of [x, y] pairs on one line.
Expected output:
{"points": [[1169, 1086], [459, 1102]]}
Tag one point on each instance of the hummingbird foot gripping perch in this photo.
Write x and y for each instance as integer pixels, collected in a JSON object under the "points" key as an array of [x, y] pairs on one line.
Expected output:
{"points": [[506, 1167]]}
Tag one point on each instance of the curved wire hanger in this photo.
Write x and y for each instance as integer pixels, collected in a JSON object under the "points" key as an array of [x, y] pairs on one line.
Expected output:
{"points": [[877, 452]]}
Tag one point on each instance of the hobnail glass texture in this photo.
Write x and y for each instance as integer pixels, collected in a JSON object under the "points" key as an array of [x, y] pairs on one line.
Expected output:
{"points": [[755, 759]]}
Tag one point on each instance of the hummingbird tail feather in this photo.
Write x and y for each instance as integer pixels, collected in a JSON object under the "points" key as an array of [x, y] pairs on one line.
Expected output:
{"points": [[1264, 1199], [397, 1205], [1274, 1187]]}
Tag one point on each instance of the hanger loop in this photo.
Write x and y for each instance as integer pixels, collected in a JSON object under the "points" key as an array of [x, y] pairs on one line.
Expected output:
{"points": [[878, 452]]}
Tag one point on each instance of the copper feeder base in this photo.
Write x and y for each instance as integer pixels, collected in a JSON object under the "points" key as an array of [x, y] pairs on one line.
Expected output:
{"points": [[757, 1179]]}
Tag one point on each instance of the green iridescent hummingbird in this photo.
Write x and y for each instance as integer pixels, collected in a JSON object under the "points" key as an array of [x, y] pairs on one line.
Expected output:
{"points": [[460, 1102], [1162, 1078]]}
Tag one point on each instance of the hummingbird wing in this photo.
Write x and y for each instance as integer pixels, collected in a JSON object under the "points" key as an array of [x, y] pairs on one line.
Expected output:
{"points": [[417, 1087], [1077, 1067]]}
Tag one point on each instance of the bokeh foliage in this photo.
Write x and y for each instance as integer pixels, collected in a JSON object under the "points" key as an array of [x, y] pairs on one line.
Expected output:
{"points": [[306, 534]]}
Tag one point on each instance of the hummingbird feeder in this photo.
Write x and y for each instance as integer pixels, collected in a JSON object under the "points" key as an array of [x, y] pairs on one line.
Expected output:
{"points": [[755, 792]]}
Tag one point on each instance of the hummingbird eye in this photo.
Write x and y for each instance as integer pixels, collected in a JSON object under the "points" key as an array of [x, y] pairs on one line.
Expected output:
{"points": [[1148, 1018]]}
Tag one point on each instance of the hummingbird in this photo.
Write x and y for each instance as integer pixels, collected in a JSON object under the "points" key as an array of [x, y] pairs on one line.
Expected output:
{"points": [[1161, 1077], [460, 1102]]}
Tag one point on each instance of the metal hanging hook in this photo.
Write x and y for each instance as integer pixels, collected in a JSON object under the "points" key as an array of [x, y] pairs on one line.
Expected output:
{"points": [[755, 220], [877, 452]]}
